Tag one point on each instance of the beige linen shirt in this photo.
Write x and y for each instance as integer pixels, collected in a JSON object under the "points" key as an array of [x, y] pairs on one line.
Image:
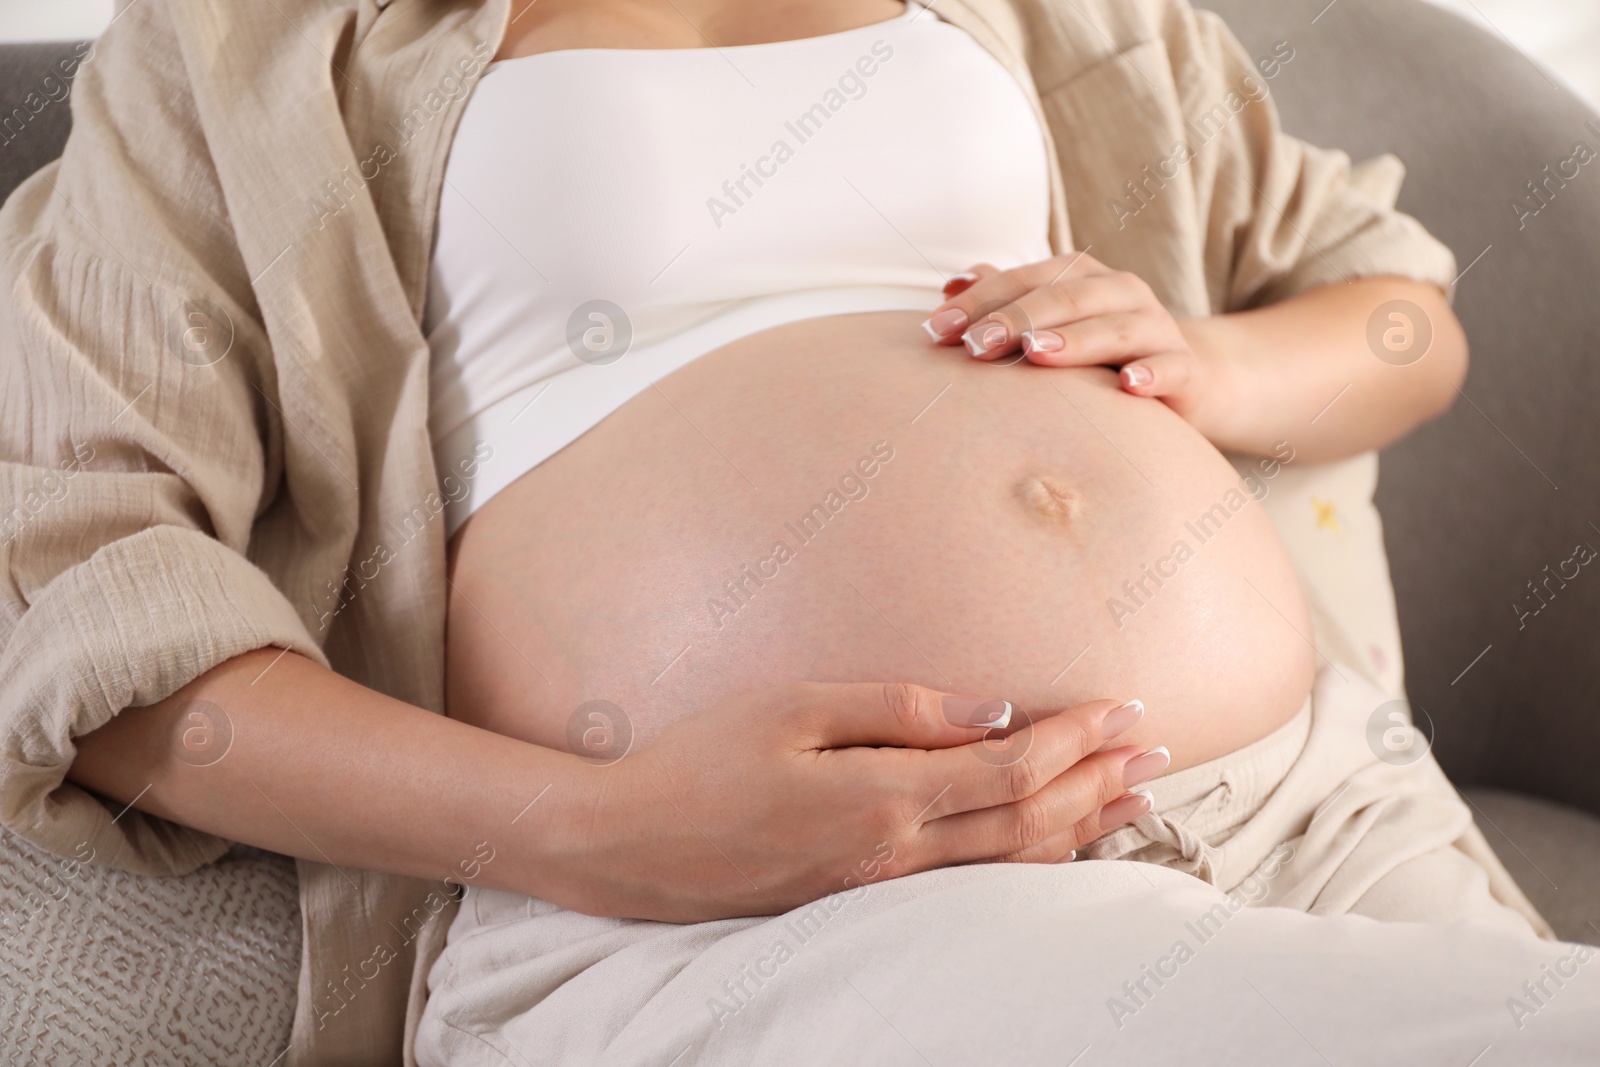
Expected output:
{"points": [[214, 383]]}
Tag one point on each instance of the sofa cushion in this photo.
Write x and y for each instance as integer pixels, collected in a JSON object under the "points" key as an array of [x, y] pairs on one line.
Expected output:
{"points": [[102, 966], [1552, 850]]}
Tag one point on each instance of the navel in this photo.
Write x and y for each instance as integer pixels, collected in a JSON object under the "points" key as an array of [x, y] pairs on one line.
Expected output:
{"points": [[1051, 498]]}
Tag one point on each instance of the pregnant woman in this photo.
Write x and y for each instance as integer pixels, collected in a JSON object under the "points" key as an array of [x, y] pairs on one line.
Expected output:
{"points": [[716, 411]]}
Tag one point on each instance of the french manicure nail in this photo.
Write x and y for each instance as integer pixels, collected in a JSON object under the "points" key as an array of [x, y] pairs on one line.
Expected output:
{"points": [[1125, 809], [984, 337], [1141, 769], [1069, 857], [1043, 341], [1137, 376], [977, 711], [1121, 720], [945, 323]]}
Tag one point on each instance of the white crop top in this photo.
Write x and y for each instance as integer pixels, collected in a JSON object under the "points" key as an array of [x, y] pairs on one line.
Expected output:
{"points": [[609, 215]]}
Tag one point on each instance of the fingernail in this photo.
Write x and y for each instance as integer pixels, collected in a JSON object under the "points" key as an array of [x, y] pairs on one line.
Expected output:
{"points": [[1043, 341], [977, 711], [1121, 720], [1141, 769], [1125, 809], [945, 323], [982, 338], [1137, 376], [959, 280], [1069, 857]]}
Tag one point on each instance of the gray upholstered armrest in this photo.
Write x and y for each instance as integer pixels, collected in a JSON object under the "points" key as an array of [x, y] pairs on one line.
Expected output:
{"points": [[1478, 504]]}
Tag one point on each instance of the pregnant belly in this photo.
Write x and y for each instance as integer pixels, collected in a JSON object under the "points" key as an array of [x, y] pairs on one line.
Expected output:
{"points": [[838, 500]]}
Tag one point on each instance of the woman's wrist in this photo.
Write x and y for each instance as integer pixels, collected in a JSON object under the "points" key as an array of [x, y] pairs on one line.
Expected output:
{"points": [[553, 830], [588, 829], [1225, 409]]}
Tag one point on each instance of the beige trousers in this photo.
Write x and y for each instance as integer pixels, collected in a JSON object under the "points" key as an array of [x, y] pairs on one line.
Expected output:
{"points": [[1330, 815], [1317, 817]]}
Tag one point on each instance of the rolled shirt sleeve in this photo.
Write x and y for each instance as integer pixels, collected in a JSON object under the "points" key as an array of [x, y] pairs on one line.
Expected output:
{"points": [[138, 619], [1286, 216], [1176, 165]]}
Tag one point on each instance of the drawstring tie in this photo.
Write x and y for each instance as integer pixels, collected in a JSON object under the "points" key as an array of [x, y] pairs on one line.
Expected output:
{"points": [[1166, 839]]}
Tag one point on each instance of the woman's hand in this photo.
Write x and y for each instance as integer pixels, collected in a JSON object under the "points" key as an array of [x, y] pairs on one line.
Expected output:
{"points": [[1328, 370], [770, 801], [1073, 311]]}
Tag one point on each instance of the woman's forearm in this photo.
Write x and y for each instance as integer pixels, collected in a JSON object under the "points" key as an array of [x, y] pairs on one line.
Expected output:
{"points": [[765, 801], [1308, 371], [325, 769]]}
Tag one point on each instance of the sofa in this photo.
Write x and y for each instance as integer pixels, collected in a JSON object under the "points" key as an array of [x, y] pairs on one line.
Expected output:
{"points": [[102, 966]]}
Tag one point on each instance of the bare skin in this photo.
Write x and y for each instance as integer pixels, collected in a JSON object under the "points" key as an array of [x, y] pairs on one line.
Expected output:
{"points": [[827, 771], [556, 25], [975, 549]]}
